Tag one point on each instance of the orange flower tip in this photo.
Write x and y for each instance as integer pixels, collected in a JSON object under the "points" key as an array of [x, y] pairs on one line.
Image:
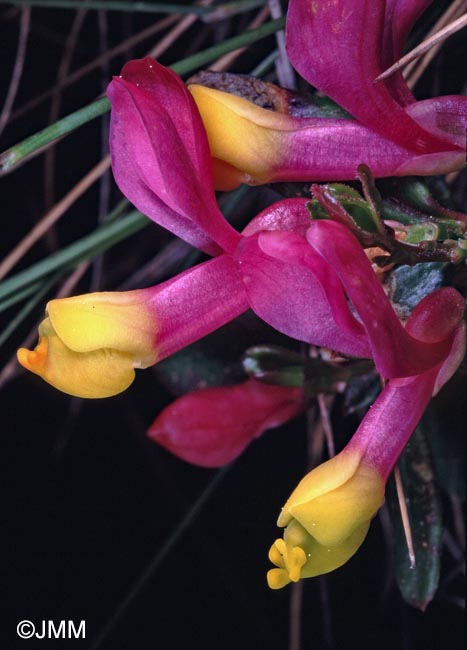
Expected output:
{"points": [[34, 360]]}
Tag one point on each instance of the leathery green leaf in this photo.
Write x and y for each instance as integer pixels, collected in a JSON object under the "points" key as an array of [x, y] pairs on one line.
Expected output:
{"points": [[418, 584]]}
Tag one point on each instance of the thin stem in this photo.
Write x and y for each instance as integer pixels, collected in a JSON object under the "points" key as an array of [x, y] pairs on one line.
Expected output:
{"points": [[114, 5], [172, 36], [405, 517], [160, 556], [458, 517], [324, 404], [415, 70], [68, 257], [52, 217], [284, 70], [295, 627], [78, 74], [226, 61], [435, 39], [65, 62], [221, 12], [33, 145], [17, 68]]}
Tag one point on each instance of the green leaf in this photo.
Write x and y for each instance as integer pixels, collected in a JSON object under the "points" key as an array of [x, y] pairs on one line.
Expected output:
{"points": [[412, 283], [279, 366], [417, 584], [275, 365]]}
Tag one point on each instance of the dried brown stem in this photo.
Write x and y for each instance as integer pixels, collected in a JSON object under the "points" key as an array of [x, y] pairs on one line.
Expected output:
{"points": [[157, 27], [405, 517], [415, 70], [226, 61], [285, 72], [52, 216], [436, 39], [324, 404], [18, 66]]}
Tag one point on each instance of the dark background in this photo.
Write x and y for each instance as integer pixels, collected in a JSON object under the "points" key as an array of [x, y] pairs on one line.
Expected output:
{"points": [[89, 503]]}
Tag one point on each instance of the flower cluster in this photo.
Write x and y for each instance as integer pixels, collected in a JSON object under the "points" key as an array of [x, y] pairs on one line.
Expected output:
{"points": [[310, 280]]}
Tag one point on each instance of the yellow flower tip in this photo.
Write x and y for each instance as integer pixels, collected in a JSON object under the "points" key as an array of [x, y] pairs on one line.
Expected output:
{"points": [[277, 578], [89, 346], [327, 517]]}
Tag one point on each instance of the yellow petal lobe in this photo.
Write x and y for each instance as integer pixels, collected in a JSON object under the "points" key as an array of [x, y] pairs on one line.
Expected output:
{"points": [[240, 133]]}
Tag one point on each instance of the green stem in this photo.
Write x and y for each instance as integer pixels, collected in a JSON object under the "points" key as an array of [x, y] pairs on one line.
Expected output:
{"points": [[27, 308], [121, 5], [83, 249], [17, 154], [35, 143]]}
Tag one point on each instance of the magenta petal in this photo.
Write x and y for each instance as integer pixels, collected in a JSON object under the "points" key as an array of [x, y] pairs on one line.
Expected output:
{"points": [[337, 47], [160, 155], [289, 215], [212, 426], [323, 149], [437, 317], [387, 426], [399, 18], [391, 420], [195, 303], [453, 360], [396, 353], [291, 287], [446, 116]]}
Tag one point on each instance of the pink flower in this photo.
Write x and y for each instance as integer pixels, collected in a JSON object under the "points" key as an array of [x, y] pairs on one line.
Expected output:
{"points": [[295, 274], [161, 162]]}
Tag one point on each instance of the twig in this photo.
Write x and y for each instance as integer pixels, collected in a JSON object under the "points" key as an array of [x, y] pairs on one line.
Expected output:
{"points": [[426, 45], [415, 70], [324, 403], [62, 73], [284, 70], [177, 31], [51, 217], [18, 66], [158, 558], [405, 517], [226, 61], [459, 522], [157, 27], [295, 628]]}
